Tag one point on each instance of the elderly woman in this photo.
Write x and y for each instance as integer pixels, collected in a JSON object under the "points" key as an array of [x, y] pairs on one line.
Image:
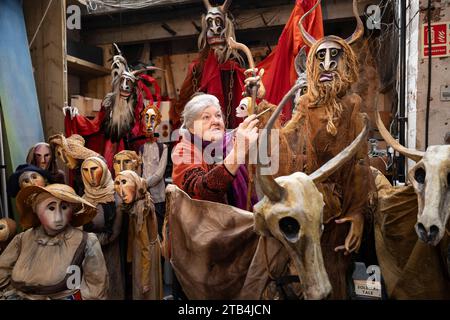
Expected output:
{"points": [[198, 169]]}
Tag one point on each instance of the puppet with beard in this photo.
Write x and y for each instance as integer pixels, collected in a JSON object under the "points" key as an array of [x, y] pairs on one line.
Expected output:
{"points": [[116, 127], [328, 119]]}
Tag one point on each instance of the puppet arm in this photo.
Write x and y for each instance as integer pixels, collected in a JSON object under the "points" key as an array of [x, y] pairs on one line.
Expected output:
{"points": [[155, 178], [8, 259], [94, 285]]}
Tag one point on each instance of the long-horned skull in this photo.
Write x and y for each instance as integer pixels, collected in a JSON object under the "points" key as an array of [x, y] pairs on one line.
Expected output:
{"points": [[430, 178], [292, 212]]}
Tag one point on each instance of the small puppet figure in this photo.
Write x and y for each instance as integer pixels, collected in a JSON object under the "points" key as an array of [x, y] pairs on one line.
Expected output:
{"points": [[53, 259], [71, 151], [27, 175], [42, 156], [154, 162], [107, 224], [127, 160], [144, 251], [7, 232]]}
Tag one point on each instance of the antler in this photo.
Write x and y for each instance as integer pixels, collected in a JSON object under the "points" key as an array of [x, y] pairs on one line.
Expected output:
{"points": [[342, 157], [359, 31]]}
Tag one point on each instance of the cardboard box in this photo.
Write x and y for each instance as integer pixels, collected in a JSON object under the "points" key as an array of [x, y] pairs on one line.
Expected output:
{"points": [[86, 106]]}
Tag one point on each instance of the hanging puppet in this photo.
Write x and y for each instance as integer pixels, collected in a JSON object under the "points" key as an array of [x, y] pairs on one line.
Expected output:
{"points": [[107, 224], [38, 263], [328, 118], [42, 156], [72, 152], [127, 160], [154, 162], [116, 126], [144, 251], [27, 175]]}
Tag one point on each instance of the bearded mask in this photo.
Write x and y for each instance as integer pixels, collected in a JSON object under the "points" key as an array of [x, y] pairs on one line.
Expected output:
{"points": [[331, 67], [151, 117]]}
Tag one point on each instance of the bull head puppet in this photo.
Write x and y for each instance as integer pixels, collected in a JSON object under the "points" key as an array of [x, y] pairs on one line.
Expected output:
{"points": [[430, 178], [292, 211], [217, 27], [124, 104], [332, 67]]}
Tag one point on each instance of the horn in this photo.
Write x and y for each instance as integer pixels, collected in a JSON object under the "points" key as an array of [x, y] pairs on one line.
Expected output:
{"points": [[410, 153], [117, 48], [269, 186], [150, 68], [342, 157], [207, 4], [225, 6], [309, 39], [300, 61], [359, 31]]}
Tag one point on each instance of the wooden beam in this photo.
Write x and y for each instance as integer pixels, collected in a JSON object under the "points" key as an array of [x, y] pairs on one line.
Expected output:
{"points": [[85, 68]]}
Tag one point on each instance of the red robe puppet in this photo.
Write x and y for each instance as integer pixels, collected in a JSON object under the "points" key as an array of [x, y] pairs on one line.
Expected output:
{"points": [[210, 73], [117, 126]]}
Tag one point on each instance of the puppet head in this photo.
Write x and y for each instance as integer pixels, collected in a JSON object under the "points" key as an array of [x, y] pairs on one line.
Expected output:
{"points": [[92, 171], [26, 175], [70, 150], [7, 232], [126, 160], [54, 206], [97, 180], [40, 155], [332, 67], [151, 117], [217, 27], [129, 88], [129, 186], [242, 110]]}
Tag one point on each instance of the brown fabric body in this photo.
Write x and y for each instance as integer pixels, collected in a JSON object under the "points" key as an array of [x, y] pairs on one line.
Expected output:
{"points": [[348, 190], [215, 251], [411, 269]]}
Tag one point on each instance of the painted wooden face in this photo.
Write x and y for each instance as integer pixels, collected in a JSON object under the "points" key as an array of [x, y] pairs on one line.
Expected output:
{"points": [[125, 188], [215, 20], [53, 213], [4, 230], [92, 173], [42, 156], [124, 162], [68, 160], [31, 178]]}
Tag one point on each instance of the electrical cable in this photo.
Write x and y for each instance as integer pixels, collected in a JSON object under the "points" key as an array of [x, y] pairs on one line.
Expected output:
{"points": [[427, 115]]}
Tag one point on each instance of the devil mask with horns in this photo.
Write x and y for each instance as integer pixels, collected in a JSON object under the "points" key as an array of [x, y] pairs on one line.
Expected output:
{"points": [[332, 67], [216, 28], [126, 99]]}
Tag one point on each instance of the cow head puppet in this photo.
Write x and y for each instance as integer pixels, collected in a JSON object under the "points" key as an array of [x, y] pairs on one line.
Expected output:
{"points": [[216, 28], [292, 212], [331, 67], [430, 178], [125, 102]]}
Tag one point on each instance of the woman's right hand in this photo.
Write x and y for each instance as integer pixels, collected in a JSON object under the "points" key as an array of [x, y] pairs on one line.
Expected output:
{"points": [[245, 138]]}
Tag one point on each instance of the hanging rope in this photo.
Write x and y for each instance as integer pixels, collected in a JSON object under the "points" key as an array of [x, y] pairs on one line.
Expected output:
{"points": [[40, 23]]}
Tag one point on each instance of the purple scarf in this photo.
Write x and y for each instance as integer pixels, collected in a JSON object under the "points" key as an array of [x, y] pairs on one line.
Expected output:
{"points": [[240, 182]]}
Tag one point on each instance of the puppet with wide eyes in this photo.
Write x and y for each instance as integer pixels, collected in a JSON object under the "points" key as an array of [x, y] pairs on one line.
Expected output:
{"points": [[27, 175], [144, 252], [327, 120], [107, 224], [154, 162], [53, 258], [127, 160]]}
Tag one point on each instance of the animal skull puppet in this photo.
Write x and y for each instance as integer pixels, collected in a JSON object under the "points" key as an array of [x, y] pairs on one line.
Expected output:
{"points": [[430, 178]]}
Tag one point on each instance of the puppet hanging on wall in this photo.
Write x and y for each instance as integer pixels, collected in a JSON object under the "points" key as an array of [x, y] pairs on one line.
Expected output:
{"points": [[117, 125], [328, 118], [107, 224], [154, 162], [43, 156], [53, 259], [144, 251]]}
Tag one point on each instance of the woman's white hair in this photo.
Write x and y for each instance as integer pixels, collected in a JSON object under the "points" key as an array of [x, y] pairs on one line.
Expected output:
{"points": [[196, 106]]}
